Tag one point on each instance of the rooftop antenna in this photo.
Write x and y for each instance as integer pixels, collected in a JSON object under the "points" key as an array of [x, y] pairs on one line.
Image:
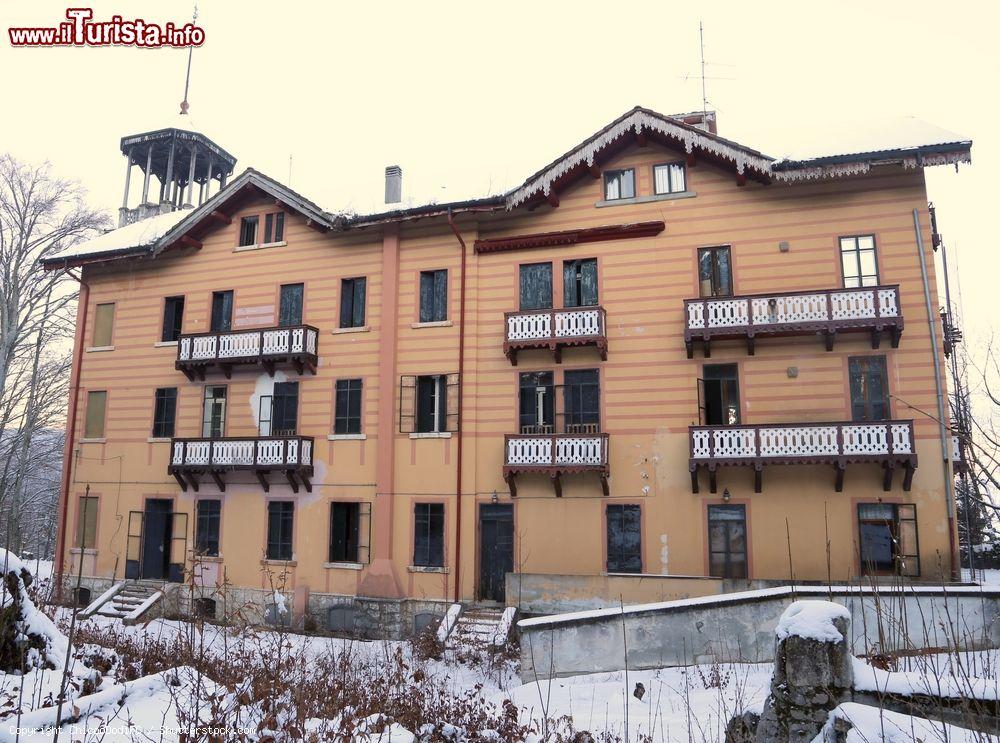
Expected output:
{"points": [[704, 95], [289, 169], [187, 78]]}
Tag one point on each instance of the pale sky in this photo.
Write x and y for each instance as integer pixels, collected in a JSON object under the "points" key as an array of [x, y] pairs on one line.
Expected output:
{"points": [[470, 98]]}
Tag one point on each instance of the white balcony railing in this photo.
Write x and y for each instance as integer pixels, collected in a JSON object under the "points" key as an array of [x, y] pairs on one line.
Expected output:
{"points": [[555, 454], [248, 453], [554, 328], [247, 344]]}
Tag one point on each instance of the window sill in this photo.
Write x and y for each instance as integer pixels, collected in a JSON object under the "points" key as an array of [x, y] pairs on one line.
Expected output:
{"points": [[437, 324], [205, 558], [158, 440], [165, 344], [258, 246], [346, 436], [279, 563], [427, 569], [343, 566], [431, 435], [344, 331], [100, 440], [98, 349], [87, 551], [646, 199]]}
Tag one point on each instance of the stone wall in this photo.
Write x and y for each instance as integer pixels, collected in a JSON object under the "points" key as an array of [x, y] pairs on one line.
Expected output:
{"points": [[740, 627]]}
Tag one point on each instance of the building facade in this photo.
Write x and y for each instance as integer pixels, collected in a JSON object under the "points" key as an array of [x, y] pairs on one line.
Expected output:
{"points": [[665, 366]]}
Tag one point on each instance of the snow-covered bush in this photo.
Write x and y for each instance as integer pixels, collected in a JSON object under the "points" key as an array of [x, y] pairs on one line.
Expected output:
{"points": [[28, 638]]}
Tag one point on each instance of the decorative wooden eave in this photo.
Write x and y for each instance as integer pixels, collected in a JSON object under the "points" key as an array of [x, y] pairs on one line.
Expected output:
{"points": [[570, 237]]}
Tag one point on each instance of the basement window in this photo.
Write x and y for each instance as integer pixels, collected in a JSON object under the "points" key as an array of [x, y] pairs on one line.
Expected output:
{"points": [[619, 184]]}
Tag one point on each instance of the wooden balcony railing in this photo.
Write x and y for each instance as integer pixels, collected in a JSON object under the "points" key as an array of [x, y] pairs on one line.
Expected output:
{"points": [[824, 312], [555, 455], [261, 455], [555, 330], [296, 344], [889, 443]]}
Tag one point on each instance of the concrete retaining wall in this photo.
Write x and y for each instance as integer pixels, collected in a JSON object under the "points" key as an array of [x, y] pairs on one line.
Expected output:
{"points": [[740, 627], [542, 593]]}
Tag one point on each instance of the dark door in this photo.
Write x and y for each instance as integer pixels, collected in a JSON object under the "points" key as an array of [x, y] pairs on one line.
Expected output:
{"points": [[156, 533], [496, 549]]}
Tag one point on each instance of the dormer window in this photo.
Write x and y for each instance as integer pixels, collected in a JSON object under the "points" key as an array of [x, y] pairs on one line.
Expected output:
{"points": [[619, 184], [248, 230], [669, 178]]}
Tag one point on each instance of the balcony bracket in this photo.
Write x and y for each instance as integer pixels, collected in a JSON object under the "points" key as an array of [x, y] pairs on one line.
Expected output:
{"points": [[227, 370], [876, 338], [712, 484], [556, 352], [193, 481], [299, 366], [887, 471], [509, 478], [181, 481], [602, 348], [604, 484], [292, 481], [838, 470], [758, 474], [219, 482], [269, 368], [306, 483], [694, 480], [895, 336], [511, 353], [706, 345], [262, 479], [830, 336], [556, 483], [689, 347], [189, 373], [908, 476], [750, 345]]}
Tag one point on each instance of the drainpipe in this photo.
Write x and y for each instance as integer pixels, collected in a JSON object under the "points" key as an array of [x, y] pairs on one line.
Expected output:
{"points": [[949, 483], [74, 394], [461, 382]]}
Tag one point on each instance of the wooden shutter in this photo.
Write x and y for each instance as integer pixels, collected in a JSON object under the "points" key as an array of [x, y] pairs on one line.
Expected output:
{"points": [[93, 427], [104, 323], [407, 403], [452, 419]]}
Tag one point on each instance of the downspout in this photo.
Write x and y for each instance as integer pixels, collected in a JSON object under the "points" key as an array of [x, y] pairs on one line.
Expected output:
{"points": [[939, 387], [74, 394], [461, 382]]}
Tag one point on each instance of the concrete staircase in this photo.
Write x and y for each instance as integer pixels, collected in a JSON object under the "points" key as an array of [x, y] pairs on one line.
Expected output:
{"points": [[127, 600], [481, 627]]}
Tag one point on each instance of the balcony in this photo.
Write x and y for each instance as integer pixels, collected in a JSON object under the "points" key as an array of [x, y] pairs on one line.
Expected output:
{"points": [[825, 313], [889, 443], [555, 330], [267, 347], [958, 464], [261, 455], [555, 455]]}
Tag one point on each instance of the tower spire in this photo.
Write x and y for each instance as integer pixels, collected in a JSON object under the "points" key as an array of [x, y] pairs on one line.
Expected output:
{"points": [[187, 78]]}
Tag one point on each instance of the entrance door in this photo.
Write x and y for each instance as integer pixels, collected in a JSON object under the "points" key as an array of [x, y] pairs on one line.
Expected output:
{"points": [[496, 549], [156, 534]]}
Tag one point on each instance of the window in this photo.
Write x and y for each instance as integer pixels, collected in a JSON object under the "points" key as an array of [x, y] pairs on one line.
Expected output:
{"points": [[248, 230], [86, 523], [858, 262], [352, 302], [173, 317], [164, 412], [869, 388], [347, 406], [719, 396], [582, 401], [669, 178], [433, 296], [536, 286], [222, 312], [94, 424], [274, 227], [213, 420], [580, 283], [206, 531], [428, 535], [619, 184], [344, 520], [624, 539], [279, 529], [290, 305], [715, 274], [428, 404], [284, 409], [888, 536], [727, 541], [537, 403], [104, 325]]}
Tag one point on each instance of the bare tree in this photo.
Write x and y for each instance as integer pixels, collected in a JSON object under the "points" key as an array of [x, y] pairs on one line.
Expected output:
{"points": [[40, 216]]}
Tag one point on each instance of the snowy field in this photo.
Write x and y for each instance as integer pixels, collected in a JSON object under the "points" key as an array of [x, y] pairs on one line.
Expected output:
{"points": [[150, 682]]}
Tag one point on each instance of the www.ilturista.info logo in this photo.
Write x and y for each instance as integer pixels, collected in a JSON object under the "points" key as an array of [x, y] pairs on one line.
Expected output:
{"points": [[80, 30]]}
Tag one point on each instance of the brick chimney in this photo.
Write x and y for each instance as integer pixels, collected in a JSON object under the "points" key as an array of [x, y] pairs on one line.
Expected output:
{"points": [[393, 184], [704, 120]]}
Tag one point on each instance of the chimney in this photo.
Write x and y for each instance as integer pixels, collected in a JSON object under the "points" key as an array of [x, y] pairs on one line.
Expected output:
{"points": [[393, 184], [704, 120]]}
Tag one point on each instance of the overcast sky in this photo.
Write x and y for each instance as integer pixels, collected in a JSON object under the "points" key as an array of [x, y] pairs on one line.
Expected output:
{"points": [[470, 98]]}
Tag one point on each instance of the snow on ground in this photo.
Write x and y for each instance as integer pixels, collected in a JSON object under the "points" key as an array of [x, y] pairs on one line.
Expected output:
{"points": [[872, 724]]}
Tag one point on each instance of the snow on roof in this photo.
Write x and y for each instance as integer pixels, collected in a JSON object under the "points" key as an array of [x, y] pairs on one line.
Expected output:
{"points": [[885, 134], [812, 620], [141, 234]]}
